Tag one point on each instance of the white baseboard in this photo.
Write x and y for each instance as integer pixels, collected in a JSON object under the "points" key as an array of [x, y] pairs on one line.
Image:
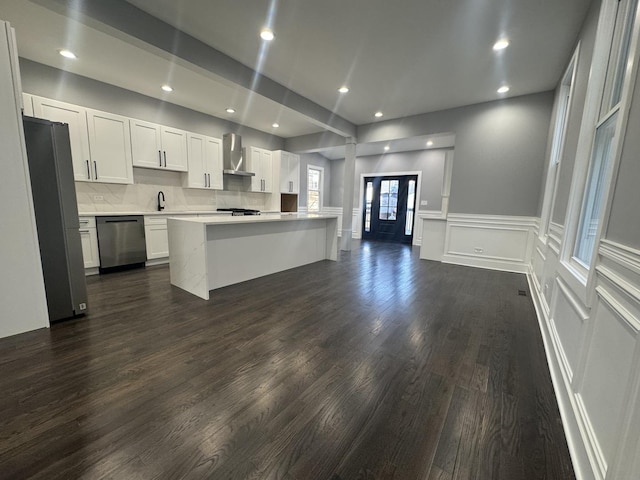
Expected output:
{"points": [[91, 271], [156, 261]]}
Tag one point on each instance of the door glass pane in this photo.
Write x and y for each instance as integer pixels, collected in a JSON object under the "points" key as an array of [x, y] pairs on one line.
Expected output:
{"points": [[388, 199], [594, 191], [411, 195], [367, 211]]}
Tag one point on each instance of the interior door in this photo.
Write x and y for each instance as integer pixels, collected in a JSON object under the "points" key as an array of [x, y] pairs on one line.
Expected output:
{"points": [[389, 208]]}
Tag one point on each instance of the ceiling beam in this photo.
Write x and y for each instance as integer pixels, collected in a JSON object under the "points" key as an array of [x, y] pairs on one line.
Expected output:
{"points": [[130, 20]]}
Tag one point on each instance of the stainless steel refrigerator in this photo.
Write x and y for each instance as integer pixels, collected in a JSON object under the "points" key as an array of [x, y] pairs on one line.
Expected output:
{"points": [[56, 210]]}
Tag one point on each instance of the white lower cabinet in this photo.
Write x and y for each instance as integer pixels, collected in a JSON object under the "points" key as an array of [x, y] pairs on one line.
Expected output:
{"points": [[89, 239], [156, 237]]}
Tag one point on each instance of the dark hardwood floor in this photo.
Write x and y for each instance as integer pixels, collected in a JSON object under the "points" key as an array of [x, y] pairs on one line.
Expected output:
{"points": [[378, 366]]}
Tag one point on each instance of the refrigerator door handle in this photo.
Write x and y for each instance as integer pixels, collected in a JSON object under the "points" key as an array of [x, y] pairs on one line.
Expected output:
{"points": [[95, 168]]}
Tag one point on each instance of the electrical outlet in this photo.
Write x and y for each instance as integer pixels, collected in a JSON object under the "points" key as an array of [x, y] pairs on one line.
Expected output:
{"points": [[98, 198], [423, 203], [478, 250], [83, 306]]}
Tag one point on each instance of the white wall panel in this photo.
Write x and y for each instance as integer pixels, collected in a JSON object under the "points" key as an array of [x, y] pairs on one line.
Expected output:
{"points": [[607, 371], [495, 242]]}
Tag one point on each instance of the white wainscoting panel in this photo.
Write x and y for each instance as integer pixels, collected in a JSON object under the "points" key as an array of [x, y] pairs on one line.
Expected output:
{"points": [[607, 373], [433, 234], [494, 242], [568, 327]]}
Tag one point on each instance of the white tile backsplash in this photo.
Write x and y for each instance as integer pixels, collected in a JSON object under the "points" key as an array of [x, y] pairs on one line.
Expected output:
{"points": [[142, 196]]}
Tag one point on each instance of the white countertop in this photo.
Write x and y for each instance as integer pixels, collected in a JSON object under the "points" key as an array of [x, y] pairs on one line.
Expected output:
{"points": [[272, 217], [168, 213]]}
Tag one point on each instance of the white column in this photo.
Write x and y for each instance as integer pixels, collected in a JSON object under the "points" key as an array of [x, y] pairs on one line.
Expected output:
{"points": [[347, 196]]}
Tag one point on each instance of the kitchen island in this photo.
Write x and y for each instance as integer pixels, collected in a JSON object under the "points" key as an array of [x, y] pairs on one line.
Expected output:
{"points": [[206, 253]]}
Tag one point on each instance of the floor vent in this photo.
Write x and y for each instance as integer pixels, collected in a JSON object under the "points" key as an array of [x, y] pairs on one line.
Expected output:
{"points": [[522, 293]]}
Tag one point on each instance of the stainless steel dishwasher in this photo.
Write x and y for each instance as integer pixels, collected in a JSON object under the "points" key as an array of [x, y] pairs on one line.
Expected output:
{"points": [[121, 241]]}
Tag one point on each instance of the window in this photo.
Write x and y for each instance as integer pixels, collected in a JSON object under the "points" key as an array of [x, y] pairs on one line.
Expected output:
{"points": [[601, 160], [314, 189], [557, 146]]}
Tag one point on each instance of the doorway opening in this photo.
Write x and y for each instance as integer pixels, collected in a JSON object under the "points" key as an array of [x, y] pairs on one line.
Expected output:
{"points": [[389, 208]]}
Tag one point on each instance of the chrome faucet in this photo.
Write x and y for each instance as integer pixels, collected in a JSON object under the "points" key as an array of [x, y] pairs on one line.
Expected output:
{"points": [[160, 202]]}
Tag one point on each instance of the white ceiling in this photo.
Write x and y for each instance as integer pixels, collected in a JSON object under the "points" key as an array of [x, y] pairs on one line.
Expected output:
{"points": [[403, 57]]}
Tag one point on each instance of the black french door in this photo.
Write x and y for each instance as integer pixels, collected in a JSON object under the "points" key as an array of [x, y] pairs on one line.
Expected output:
{"points": [[389, 208]]}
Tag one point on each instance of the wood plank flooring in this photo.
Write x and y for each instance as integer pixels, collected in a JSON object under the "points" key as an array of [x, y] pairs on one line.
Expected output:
{"points": [[378, 366]]}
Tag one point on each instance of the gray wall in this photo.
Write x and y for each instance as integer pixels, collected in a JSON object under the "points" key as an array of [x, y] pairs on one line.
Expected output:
{"points": [[50, 82], [499, 153], [429, 162], [316, 160], [567, 161]]}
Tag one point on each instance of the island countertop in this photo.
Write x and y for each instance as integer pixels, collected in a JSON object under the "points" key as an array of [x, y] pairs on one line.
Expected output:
{"points": [[268, 217], [206, 253]]}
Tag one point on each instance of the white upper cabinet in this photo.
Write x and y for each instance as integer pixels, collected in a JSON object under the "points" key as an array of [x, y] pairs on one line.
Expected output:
{"points": [[76, 118], [110, 147], [146, 147], [259, 161], [286, 165], [100, 142], [205, 162], [213, 152], [289, 169], [156, 146], [174, 149], [27, 104]]}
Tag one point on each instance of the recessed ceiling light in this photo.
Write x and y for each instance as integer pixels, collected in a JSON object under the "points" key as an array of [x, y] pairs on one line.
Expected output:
{"points": [[67, 53], [503, 89], [386, 148], [230, 110], [429, 143], [167, 88], [343, 89], [378, 114], [501, 44], [275, 125], [267, 34]]}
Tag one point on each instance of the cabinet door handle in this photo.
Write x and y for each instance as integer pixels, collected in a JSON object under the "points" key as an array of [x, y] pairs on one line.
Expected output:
{"points": [[209, 178], [95, 168], [88, 171], [165, 158], [205, 179], [84, 231], [160, 157]]}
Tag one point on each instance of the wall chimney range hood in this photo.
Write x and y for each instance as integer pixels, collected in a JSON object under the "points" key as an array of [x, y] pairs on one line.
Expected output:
{"points": [[233, 159]]}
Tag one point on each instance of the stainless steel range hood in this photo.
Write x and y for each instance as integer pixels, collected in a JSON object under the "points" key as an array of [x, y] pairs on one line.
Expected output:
{"points": [[233, 159]]}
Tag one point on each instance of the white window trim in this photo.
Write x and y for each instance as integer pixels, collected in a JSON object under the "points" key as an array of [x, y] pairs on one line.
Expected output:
{"points": [[581, 280], [558, 144], [321, 186]]}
